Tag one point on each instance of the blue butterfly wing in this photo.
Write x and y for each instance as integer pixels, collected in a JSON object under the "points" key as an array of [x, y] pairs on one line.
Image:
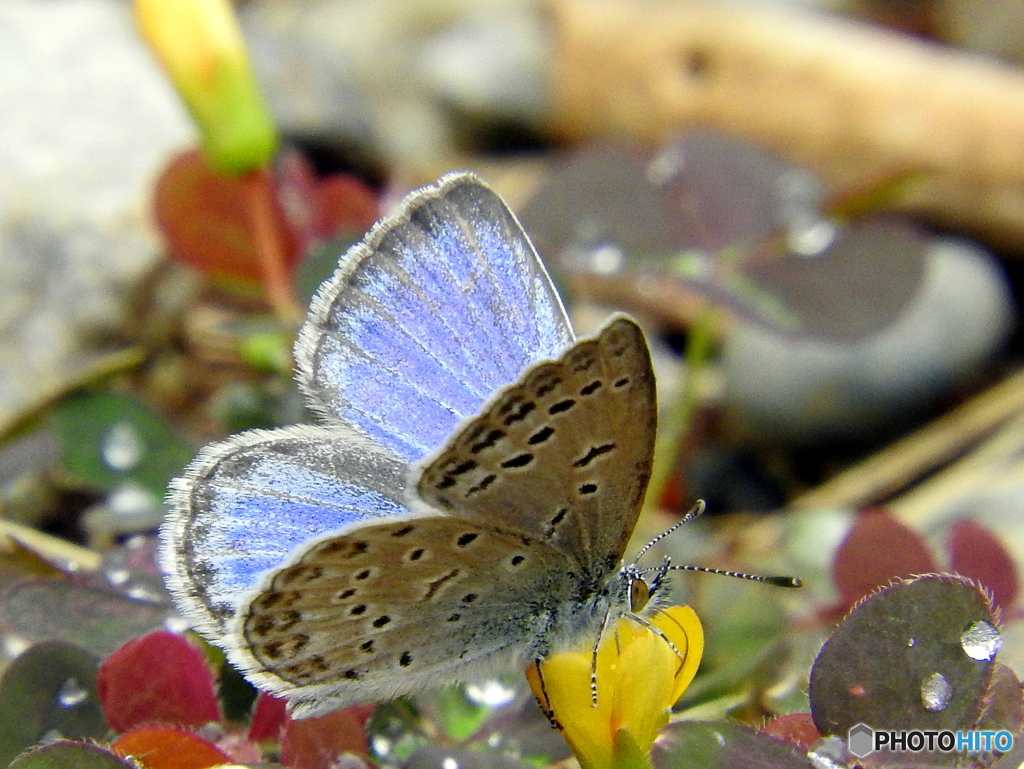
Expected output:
{"points": [[245, 504], [443, 303]]}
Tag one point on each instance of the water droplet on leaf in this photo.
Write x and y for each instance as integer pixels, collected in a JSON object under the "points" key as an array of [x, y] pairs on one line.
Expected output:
{"points": [[981, 641], [381, 746], [131, 501], [122, 447], [71, 693], [828, 753], [936, 692], [143, 593], [811, 238], [176, 625]]}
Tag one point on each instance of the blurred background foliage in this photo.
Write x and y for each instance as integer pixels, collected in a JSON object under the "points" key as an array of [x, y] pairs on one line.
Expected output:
{"points": [[814, 211]]}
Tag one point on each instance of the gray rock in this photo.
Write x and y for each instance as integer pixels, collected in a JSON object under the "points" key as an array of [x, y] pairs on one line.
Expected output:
{"points": [[88, 121], [806, 391], [396, 77]]}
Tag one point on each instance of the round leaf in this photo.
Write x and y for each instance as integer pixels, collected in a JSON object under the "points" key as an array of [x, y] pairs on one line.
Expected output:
{"points": [[48, 689], [911, 656], [69, 755]]}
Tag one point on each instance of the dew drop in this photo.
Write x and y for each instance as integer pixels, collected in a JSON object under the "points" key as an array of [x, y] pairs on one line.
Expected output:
{"points": [[490, 693], [118, 577], [382, 746], [71, 693], [143, 593], [811, 238], [449, 763], [828, 753], [935, 692], [175, 624], [131, 501], [121, 447], [607, 259], [13, 644], [981, 641], [127, 508], [911, 642], [666, 165]]}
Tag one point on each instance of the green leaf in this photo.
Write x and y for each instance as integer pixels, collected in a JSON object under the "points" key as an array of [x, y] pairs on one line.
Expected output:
{"points": [[916, 655], [107, 439], [722, 745], [69, 755], [320, 263], [97, 619], [48, 689]]}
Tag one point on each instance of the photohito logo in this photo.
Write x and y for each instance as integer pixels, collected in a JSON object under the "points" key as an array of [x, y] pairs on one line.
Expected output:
{"points": [[862, 740]]}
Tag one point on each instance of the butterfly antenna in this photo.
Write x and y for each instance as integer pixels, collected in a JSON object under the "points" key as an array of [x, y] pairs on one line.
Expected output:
{"points": [[694, 511], [777, 581], [697, 509]]}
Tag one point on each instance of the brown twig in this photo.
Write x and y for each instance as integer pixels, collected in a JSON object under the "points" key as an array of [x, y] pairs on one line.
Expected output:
{"points": [[852, 102], [934, 445]]}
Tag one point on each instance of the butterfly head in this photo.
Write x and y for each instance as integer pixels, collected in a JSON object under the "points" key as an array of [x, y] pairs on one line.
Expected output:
{"points": [[648, 589]]}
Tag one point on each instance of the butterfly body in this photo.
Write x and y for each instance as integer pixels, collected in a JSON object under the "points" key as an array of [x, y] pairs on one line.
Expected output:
{"points": [[465, 506]]}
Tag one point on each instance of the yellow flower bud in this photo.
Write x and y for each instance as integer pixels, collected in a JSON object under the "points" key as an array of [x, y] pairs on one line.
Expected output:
{"points": [[200, 46]]}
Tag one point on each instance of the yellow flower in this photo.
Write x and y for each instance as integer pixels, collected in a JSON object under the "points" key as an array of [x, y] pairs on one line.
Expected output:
{"points": [[639, 678], [200, 46]]}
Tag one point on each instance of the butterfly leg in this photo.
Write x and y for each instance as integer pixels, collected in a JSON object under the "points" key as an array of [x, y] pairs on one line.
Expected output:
{"points": [[593, 665], [545, 704], [640, 620]]}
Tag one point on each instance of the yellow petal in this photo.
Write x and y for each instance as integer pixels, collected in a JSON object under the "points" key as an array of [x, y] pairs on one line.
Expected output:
{"points": [[639, 678], [562, 686], [682, 627]]}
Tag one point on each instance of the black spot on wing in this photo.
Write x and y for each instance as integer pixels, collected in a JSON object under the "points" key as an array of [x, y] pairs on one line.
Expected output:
{"points": [[593, 453]]}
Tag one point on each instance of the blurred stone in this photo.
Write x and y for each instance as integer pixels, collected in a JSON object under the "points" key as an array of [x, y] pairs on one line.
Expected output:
{"points": [[994, 27], [88, 122], [785, 388], [395, 79]]}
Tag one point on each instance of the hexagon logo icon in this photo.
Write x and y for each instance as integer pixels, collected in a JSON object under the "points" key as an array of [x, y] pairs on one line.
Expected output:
{"points": [[860, 740]]}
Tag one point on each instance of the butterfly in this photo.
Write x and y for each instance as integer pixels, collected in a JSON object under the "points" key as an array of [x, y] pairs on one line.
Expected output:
{"points": [[463, 505]]}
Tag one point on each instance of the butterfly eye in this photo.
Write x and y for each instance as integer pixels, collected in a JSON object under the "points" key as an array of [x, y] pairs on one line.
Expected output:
{"points": [[639, 594]]}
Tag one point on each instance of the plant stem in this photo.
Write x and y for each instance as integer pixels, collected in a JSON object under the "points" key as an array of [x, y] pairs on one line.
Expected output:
{"points": [[675, 428], [263, 219]]}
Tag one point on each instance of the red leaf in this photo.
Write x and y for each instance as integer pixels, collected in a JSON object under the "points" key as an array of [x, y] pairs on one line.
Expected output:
{"points": [[797, 729], [877, 549], [268, 718], [322, 208], [164, 747], [158, 678], [206, 221], [315, 743], [343, 204], [976, 553]]}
